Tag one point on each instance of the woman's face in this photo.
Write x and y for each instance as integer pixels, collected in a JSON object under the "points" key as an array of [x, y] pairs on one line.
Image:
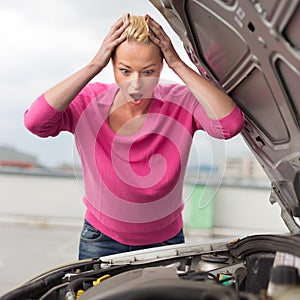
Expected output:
{"points": [[137, 69]]}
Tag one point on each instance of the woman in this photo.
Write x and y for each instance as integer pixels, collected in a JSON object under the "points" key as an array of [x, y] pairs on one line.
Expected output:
{"points": [[133, 136]]}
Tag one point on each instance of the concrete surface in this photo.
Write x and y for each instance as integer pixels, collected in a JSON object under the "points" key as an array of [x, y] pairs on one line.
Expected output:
{"points": [[27, 250]]}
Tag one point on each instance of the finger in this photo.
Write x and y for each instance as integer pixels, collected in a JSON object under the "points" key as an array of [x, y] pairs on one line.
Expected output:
{"points": [[119, 40], [116, 25], [153, 24], [118, 36], [154, 39], [157, 32], [119, 25]]}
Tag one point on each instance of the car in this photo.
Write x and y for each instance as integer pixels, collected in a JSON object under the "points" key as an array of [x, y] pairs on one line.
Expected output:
{"points": [[251, 49]]}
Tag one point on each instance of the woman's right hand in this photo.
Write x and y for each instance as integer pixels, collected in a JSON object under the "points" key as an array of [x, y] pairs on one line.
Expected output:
{"points": [[63, 93], [114, 38]]}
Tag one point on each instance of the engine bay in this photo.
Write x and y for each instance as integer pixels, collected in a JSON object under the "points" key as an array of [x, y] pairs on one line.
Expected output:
{"points": [[242, 269]]}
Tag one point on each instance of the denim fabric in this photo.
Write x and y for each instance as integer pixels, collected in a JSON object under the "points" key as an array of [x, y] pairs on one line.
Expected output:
{"points": [[94, 244]]}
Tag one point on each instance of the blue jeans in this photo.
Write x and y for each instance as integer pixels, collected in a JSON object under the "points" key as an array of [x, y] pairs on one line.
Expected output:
{"points": [[94, 244]]}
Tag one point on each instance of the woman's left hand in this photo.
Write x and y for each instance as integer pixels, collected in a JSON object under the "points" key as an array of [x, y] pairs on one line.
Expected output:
{"points": [[215, 102], [161, 39]]}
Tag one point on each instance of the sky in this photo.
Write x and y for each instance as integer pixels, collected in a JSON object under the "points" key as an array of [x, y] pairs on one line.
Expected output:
{"points": [[43, 42]]}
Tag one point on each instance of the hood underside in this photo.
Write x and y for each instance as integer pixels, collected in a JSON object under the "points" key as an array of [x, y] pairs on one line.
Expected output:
{"points": [[251, 49]]}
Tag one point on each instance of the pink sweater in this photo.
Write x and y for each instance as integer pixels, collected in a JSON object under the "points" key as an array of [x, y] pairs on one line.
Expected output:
{"points": [[133, 184]]}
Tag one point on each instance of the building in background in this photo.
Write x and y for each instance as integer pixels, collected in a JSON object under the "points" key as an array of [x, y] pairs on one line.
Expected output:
{"points": [[235, 170], [10, 157], [244, 167]]}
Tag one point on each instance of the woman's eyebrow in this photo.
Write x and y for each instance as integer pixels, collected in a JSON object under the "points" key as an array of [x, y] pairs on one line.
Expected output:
{"points": [[124, 65], [128, 67], [151, 65]]}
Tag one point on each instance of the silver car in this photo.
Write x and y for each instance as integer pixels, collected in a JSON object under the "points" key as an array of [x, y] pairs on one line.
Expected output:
{"points": [[251, 49]]}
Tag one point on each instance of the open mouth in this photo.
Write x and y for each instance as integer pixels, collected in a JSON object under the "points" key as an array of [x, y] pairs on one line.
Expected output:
{"points": [[136, 96]]}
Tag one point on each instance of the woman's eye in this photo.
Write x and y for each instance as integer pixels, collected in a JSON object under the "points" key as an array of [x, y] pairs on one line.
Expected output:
{"points": [[124, 71], [148, 72]]}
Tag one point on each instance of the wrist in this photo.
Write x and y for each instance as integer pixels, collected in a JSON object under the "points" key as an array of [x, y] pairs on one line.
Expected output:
{"points": [[177, 65]]}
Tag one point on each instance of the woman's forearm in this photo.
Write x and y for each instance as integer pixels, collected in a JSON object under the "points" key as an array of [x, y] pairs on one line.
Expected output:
{"points": [[216, 103], [63, 93]]}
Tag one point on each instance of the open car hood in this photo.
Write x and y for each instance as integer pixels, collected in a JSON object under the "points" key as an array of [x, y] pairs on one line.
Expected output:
{"points": [[251, 49]]}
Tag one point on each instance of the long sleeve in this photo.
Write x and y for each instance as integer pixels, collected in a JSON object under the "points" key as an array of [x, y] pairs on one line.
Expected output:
{"points": [[42, 119], [224, 128]]}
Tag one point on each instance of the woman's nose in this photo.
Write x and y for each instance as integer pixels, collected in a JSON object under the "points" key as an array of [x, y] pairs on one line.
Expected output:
{"points": [[136, 81]]}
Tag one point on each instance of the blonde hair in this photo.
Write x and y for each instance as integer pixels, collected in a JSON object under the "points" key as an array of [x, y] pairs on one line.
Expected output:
{"points": [[138, 29]]}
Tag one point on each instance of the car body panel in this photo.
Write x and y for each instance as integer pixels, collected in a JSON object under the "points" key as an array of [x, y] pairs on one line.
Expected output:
{"points": [[251, 50]]}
